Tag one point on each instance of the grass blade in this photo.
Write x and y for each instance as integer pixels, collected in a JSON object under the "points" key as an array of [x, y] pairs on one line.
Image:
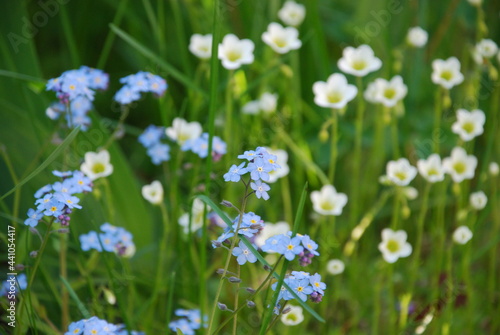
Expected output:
{"points": [[77, 300], [46, 163]]}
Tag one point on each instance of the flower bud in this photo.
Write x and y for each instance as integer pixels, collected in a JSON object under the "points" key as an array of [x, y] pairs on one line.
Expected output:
{"points": [[222, 306], [250, 304], [234, 280]]}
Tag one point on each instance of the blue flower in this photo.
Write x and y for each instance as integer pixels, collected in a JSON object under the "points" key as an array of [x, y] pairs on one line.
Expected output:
{"points": [[75, 328], [260, 189], [292, 247], [62, 174], [66, 187], [259, 169], [301, 287], [225, 235], [95, 326], [243, 254], [235, 173], [316, 283], [42, 201], [284, 293], [42, 191], [310, 245], [81, 183], [69, 200], [151, 136], [275, 244], [53, 208], [126, 95], [33, 217], [90, 241], [108, 241], [159, 153], [248, 155], [183, 325]]}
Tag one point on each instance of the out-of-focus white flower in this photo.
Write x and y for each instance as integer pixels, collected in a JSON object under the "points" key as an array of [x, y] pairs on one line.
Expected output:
{"points": [[447, 72], [153, 192], [251, 107], [371, 92], [484, 49], [335, 266], [359, 61], [390, 92], [97, 165], [181, 130], [400, 172], [282, 160], [469, 124], [462, 235], [234, 52], [411, 193], [328, 201], [478, 200], [293, 317], [493, 169], [292, 13], [335, 92], [431, 168], [201, 46], [476, 3], [460, 165], [197, 217], [417, 37], [268, 102], [394, 245], [281, 39], [269, 230]]}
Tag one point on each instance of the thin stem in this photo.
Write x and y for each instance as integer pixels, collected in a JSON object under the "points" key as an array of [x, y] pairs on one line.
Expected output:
{"points": [[395, 136], [357, 153], [64, 274], [228, 126], [236, 298], [123, 116], [437, 119], [333, 149]]}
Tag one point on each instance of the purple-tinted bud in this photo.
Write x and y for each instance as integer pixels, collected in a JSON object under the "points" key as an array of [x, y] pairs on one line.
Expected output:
{"points": [[301, 254], [34, 253], [68, 210], [250, 304], [222, 306], [20, 267], [226, 203], [316, 297], [250, 290], [61, 217], [234, 280]]}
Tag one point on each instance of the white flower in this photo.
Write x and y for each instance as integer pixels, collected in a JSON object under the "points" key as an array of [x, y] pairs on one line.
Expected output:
{"points": [[234, 52], [371, 92], [359, 61], [197, 217], [478, 200], [447, 72], [459, 165], [281, 39], [335, 266], [493, 169], [417, 37], [390, 92], [469, 124], [270, 230], [462, 235], [411, 193], [282, 160], [431, 168], [97, 165], [292, 13], [181, 130], [268, 102], [335, 93], [328, 201], [475, 2], [251, 107], [293, 317], [485, 49], [153, 192], [394, 245], [201, 45], [400, 172]]}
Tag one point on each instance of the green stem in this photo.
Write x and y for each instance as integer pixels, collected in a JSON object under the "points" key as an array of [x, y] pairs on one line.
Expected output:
{"points": [[228, 126], [236, 297], [64, 274], [492, 277], [395, 135], [333, 149], [355, 181], [397, 207], [437, 120]]}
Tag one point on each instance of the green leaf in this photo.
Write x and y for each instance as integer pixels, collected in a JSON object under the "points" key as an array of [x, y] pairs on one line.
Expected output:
{"points": [[151, 55], [77, 300], [46, 163], [179, 332]]}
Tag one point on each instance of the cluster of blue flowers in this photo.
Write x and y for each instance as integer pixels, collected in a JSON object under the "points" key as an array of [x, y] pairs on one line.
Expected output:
{"points": [[199, 146], [135, 84], [110, 239], [304, 285], [290, 247], [151, 140], [250, 225], [58, 200], [190, 322], [260, 163], [94, 325], [75, 90], [9, 288]]}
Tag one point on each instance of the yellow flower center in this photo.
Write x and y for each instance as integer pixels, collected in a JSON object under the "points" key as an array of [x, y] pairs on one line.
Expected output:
{"points": [[334, 97], [290, 247], [233, 55], [72, 87], [291, 316], [390, 93], [98, 168], [53, 208], [359, 65], [400, 175], [300, 289], [459, 167], [468, 127], [280, 42], [432, 172], [327, 206], [393, 246], [260, 169], [447, 75]]}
